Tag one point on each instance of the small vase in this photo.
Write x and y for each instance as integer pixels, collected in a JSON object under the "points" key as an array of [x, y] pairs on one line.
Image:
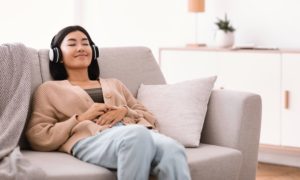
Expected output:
{"points": [[224, 39]]}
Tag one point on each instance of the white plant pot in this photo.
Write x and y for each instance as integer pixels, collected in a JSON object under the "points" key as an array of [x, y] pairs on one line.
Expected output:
{"points": [[224, 39]]}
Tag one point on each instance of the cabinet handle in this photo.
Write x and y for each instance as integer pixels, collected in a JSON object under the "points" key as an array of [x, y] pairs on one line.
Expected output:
{"points": [[286, 99]]}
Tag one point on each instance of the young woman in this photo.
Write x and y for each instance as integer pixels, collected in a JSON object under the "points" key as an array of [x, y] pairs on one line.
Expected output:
{"points": [[98, 120]]}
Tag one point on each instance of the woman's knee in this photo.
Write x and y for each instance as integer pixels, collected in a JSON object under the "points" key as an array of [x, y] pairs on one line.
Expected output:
{"points": [[137, 134]]}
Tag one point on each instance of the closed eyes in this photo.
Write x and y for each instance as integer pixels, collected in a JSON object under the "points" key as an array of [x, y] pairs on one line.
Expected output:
{"points": [[84, 44]]}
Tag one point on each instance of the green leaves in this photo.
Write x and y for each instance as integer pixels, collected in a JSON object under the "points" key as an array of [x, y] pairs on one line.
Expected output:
{"points": [[225, 25]]}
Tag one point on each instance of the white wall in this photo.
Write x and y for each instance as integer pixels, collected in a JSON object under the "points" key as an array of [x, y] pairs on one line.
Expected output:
{"points": [[161, 23], [264, 22], [152, 23], [34, 22]]}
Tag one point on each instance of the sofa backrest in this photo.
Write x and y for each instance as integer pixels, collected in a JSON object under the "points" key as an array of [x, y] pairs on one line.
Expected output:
{"points": [[131, 65]]}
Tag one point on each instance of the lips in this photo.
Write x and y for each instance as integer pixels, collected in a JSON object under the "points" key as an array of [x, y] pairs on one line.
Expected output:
{"points": [[81, 55]]}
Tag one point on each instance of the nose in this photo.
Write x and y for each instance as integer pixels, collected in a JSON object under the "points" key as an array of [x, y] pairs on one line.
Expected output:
{"points": [[80, 48]]}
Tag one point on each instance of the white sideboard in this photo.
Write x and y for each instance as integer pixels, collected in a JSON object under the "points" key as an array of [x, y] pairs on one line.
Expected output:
{"points": [[273, 74], [290, 83]]}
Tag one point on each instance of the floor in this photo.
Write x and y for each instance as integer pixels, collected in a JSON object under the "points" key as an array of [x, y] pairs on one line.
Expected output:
{"points": [[275, 172]]}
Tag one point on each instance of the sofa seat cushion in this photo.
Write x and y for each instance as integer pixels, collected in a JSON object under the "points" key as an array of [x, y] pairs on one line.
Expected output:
{"points": [[205, 162], [214, 162], [61, 166]]}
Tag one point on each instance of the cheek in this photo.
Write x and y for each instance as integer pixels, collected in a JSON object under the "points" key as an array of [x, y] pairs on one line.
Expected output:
{"points": [[65, 50], [89, 50], [66, 53]]}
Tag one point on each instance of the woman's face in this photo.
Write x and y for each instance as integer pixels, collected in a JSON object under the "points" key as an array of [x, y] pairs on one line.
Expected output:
{"points": [[76, 51]]}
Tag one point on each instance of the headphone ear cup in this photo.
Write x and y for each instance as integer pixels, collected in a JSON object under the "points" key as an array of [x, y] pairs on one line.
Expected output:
{"points": [[95, 52], [54, 55]]}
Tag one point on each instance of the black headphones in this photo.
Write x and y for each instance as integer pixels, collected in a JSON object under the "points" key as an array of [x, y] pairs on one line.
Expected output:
{"points": [[55, 53]]}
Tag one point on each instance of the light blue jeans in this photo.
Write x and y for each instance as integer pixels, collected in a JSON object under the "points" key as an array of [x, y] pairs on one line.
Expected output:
{"points": [[135, 152]]}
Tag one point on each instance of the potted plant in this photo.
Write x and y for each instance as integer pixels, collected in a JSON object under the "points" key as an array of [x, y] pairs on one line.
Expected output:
{"points": [[225, 33]]}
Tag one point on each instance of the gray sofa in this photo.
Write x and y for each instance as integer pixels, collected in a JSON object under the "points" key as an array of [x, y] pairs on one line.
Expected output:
{"points": [[230, 137]]}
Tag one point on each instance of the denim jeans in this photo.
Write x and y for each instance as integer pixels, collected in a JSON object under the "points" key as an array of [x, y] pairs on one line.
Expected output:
{"points": [[135, 152]]}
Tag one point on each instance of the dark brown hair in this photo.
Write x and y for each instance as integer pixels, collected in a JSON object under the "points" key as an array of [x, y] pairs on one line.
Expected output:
{"points": [[58, 70]]}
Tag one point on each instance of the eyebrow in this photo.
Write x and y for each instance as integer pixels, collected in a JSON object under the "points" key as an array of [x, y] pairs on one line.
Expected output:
{"points": [[83, 39]]}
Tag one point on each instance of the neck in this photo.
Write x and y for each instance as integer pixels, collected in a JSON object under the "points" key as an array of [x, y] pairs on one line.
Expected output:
{"points": [[78, 76]]}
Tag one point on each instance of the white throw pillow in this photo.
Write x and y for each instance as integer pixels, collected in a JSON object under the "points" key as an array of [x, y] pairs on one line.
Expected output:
{"points": [[180, 108]]}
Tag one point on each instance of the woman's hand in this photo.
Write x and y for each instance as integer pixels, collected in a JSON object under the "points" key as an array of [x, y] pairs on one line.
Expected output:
{"points": [[96, 110], [114, 115]]}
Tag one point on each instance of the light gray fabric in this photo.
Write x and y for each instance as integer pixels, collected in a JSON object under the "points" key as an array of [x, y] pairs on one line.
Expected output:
{"points": [[62, 166], [36, 80], [16, 167], [15, 90], [210, 162], [44, 64], [132, 65], [180, 108], [207, 162], [233, 120]]}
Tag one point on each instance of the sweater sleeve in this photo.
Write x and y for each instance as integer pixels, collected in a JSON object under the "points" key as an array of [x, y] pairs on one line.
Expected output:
{"points": [[136, 109], [45, 131]]}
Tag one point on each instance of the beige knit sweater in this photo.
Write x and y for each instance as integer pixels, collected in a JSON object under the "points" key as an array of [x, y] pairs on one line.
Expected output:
{"points": [[53, 125]]}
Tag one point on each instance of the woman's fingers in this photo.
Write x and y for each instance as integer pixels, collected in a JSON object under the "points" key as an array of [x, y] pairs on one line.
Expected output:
{"points": [[112, 117], [103, 107], [115, 122], [105, 119]]}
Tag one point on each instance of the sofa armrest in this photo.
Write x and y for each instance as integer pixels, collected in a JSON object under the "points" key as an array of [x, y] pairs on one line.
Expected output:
{"points": [[233, 120]]}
